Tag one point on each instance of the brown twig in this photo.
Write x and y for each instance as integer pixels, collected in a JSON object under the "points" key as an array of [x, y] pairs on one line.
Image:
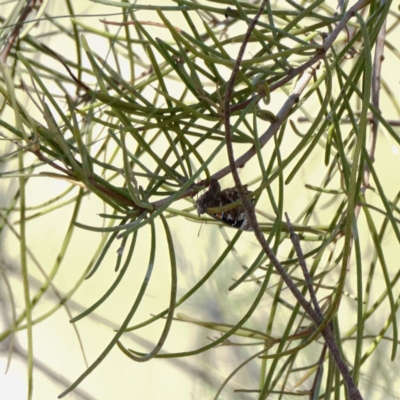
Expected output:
{"points": [[12, 37], [287, 107], [302, 261], [318, 319], [320, 54]]}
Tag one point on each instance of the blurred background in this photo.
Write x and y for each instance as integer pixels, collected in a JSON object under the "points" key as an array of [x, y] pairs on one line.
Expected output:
{"points": [[63, 253]]}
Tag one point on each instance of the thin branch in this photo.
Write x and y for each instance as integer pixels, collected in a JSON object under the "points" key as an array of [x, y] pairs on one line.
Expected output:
{"points": [[287, 107], [300, 256], [15, 32], [327, 333]]}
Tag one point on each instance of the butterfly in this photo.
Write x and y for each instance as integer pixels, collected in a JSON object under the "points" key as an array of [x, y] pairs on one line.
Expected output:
{"points": [[215, 198]]}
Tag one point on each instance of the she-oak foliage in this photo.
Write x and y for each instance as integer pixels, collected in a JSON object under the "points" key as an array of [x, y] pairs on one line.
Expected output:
{"points": [[281, 106]]}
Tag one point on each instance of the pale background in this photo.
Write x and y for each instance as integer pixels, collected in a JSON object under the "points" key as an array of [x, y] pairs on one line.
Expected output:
{"points": [[58, 358]]}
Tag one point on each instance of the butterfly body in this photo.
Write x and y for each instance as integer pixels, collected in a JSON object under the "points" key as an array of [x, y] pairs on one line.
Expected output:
{"points": [[216, 198]]}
